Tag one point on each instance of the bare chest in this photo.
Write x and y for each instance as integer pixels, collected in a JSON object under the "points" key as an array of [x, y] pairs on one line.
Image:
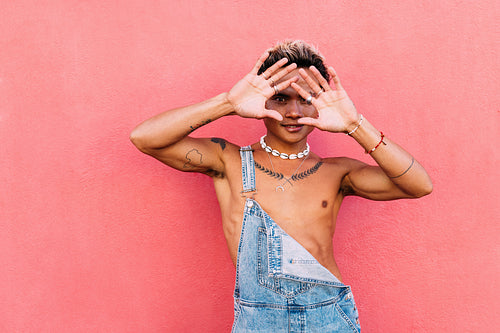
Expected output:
{"points": [[303, 203], [297, 203], [298, 197]]}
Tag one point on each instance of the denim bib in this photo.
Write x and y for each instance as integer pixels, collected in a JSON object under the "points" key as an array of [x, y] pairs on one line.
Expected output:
{"points": [[280, 286]]}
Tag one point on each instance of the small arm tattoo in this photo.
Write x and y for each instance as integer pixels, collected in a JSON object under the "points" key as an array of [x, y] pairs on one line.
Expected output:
{"points": [[404, 172], [192, 128], [220, 141], [193, 159]]}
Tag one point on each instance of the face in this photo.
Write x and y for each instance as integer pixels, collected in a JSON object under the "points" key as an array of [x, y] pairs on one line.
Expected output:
{"points": [[292, 107]]}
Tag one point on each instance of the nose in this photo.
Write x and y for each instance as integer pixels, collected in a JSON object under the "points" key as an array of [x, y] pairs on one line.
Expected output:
{"points": [[294, 110]]}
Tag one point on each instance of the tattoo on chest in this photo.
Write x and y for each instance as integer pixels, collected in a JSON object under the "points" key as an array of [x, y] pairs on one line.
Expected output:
{"points": [[294, 177], [306, 173], [277, 175]]}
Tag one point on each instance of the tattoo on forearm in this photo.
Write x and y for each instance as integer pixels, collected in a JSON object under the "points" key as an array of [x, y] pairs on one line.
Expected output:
{"points": [[220, 141], [192, 128], [295, 178], [193, 159], [404, 172]]}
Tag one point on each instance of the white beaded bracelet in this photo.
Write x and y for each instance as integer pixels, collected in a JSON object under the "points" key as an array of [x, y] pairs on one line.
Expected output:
{"points": [[359, 124]]}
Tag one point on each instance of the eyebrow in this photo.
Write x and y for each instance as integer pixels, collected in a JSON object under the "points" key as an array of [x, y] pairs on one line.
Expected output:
{"points": [[284, 94]]}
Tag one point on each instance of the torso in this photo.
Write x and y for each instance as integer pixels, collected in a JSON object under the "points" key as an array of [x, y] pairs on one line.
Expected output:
{"points": [[307, 208]]}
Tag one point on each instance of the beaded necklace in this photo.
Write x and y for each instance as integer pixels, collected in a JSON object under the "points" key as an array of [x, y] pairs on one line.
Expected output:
{"points": [[284, 156]]}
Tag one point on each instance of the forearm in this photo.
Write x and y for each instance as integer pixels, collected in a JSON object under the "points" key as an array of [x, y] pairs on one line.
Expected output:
{"points": [[399, 165], [171, 126]]}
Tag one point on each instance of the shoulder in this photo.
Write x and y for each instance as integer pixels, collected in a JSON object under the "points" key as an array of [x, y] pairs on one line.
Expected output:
{"points": [[342, 163], [226, 153], [342, 167], [229, 151], [224, 146]]}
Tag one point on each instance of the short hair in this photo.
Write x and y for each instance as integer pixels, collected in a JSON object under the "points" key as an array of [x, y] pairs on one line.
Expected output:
{"points": [[299, 52]]}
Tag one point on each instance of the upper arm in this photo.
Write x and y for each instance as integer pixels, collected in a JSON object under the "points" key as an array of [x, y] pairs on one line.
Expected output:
{"points": [[204, 155], [369, 182]]}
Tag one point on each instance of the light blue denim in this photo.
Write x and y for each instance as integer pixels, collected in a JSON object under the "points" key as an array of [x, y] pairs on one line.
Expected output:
{"points": [[280, 286]]}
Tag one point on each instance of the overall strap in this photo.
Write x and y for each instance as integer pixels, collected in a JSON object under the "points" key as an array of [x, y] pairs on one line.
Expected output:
{"points": [[247, 170]]}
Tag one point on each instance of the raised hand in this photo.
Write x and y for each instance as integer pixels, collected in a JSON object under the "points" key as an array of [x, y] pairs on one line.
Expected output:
{"points": [[250, 94], [336, 112]]}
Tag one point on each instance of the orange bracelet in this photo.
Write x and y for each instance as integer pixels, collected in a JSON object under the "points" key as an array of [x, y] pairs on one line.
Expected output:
{"points": [[378, 144]]}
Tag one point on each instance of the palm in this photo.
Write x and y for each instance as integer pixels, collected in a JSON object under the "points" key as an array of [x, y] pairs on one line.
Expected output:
{"points": [[250, 94], [335, 109]]}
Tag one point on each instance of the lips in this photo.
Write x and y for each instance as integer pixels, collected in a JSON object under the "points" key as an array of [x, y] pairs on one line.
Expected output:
{"points": [[292, 127]]}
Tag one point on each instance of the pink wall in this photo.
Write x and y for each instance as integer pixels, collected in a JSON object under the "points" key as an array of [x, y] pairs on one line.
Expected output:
{"points": [[95, 237]]}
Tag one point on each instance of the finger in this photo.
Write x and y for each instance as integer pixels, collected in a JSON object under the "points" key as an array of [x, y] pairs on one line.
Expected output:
{"points": [[285, 84], [283, 72], [278, 64], [322, 81], [259, 63], [335, 78], [310, 81], [308, 121], [272, 114], [302, 92]]}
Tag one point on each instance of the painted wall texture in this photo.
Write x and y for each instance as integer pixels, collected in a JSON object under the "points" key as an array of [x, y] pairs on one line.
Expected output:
{"points": [[96, 237]]}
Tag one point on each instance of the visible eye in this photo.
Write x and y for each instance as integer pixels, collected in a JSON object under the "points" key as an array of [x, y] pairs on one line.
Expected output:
{"points": [[279, 99]]}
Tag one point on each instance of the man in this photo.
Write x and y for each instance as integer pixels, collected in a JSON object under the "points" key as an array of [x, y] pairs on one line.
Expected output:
{"points": [[279, 200]]}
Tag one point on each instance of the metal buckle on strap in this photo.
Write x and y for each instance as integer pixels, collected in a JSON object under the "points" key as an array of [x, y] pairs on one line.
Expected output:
{"points": [[243, 193], [249, 201]]}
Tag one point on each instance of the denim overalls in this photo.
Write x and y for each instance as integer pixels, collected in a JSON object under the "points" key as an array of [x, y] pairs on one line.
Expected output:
{"points": [[280, 286]]}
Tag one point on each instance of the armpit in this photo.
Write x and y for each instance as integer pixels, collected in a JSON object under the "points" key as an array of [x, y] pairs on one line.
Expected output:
{"points": [[214, 173], [346, 188]]}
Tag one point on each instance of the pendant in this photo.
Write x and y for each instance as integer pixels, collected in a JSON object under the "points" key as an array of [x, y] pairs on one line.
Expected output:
{"points": [[279, 188]]}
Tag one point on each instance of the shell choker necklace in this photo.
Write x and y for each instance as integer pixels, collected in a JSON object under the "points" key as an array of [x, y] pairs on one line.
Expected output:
{"points": [[284, 156]]}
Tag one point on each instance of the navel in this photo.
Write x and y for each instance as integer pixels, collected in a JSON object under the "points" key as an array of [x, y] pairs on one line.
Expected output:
{"points": [[324, 203]]}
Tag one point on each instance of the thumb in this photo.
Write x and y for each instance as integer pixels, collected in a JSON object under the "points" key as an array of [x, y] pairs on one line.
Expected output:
{"points": [[308, 121], [272, 114]]}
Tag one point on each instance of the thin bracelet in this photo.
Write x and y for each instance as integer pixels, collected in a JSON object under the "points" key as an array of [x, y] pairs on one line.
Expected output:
{"points": [[378, 144], [359, 124]]}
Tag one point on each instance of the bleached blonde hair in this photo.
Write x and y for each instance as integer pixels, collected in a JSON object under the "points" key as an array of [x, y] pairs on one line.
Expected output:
{"points": [[299, 52]]}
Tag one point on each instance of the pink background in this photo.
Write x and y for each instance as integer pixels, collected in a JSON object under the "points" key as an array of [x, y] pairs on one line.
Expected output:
{"points": [[95, 237]]}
